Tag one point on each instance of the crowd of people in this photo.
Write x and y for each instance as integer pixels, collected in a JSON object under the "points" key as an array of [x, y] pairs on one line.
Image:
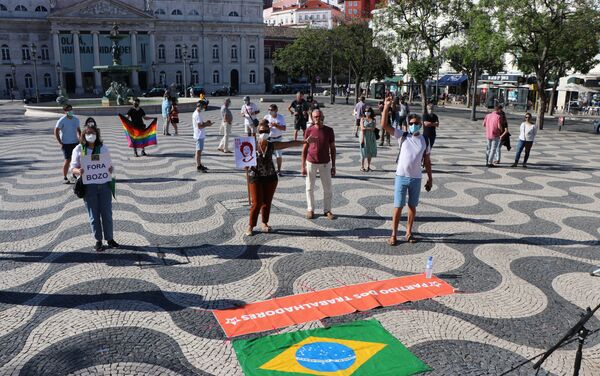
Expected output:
{"points": [[415, 136]]}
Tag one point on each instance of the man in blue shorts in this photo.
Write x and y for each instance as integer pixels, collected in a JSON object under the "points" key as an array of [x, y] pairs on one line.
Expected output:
{"points": [[414, 153], [67, 134]]}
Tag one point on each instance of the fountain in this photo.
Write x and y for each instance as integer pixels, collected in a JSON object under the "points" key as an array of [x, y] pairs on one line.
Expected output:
{"points": [[118, 93]]}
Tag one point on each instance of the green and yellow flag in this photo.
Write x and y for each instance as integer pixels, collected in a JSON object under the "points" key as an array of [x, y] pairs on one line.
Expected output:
{"points": [[361, 348]]}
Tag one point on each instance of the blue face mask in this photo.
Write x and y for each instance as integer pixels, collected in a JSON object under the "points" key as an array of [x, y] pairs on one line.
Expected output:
{"points": [[414, 128]]}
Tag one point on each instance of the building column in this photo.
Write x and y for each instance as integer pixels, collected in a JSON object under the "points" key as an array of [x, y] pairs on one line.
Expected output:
{"points": [[243, 61], [56, 53], [78, 77], [151, 75], [224, 77], [207, 47], [134, 60], [96, 46], [260, 75]]}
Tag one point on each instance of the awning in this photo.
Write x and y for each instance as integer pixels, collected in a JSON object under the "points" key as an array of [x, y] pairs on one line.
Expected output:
{"points": [[395, 80], [452, 80], [576, 87]]}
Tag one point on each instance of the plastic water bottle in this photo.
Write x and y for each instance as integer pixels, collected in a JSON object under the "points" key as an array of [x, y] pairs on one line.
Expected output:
{"points": [[429, 267]]}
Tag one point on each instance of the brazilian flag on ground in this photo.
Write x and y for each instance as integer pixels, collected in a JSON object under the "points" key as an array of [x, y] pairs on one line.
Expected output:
{"points": [[361, 348]]}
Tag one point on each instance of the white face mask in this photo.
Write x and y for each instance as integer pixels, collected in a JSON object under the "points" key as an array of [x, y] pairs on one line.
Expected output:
{"points": [[90, 137], [263, 136]]}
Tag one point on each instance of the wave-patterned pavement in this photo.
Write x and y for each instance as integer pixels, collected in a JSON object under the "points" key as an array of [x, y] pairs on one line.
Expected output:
{"points": [[518, 244]]}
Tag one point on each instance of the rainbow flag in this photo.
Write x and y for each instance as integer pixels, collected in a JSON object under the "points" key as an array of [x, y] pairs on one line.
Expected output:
{"points": [[139, 138]]}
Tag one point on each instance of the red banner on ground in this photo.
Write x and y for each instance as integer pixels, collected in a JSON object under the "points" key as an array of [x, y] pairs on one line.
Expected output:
{"points": [[296, 309]]}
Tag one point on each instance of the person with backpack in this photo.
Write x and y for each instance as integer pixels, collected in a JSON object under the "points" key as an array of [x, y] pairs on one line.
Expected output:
{"points": [[414, 152]]}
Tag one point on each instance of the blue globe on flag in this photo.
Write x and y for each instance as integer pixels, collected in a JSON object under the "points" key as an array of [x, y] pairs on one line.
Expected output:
{"points": [[325, 356]]}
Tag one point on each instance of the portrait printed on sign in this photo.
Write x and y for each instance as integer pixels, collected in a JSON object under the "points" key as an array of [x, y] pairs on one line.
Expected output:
{"points": [[95, 169], [245, 152]]}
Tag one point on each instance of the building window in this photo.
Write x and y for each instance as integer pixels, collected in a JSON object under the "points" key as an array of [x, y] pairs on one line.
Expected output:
{"points": [[159, 12], [234, 53], [215, 52], [178, 52], [47, 80], [41, 8], [233, 14], [252, 53], [252, 77], [5, 53], [216, 78], [194, 52], [28, 81], [9, 82], [178, 78], [21, 8], [193, 12], [3, 8], [195, 78], [162, 78], [45, 53], [267, 53], [25, 54], [176, 12], [161, 52]]}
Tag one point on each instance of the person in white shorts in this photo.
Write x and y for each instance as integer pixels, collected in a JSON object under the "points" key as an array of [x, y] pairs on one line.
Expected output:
{"points": [[277, 126]]}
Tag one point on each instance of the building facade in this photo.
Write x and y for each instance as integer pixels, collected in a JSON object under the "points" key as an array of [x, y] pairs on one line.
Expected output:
{"points": [[302, 13], [211, 43]]}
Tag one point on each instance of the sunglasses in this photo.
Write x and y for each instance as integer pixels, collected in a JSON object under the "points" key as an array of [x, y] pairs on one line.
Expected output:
{"points": [[413, 123], [263, 131]]}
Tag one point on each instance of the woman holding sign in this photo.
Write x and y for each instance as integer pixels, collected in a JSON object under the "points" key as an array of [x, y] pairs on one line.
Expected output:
{"points": [[263, 177], [91, 161]]}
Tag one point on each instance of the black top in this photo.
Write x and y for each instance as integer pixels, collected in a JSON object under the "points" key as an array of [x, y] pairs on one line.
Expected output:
{"points": [[300, 107], [265, 169], [137, 117], [430, 131]]}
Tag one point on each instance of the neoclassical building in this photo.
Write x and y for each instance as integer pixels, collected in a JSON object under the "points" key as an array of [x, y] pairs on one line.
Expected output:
{"points": [[211, 43]]}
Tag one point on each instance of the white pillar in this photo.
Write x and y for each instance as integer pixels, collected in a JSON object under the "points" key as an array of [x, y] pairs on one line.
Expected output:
{"points": [[260, 75], [78, 77], [243, 62], [152, 75], [56, 52], [207, 47], [224, 77], [134, 60], [96, 46]]}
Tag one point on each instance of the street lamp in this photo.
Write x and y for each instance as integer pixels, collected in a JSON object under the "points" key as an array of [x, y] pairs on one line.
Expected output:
{"points": [[33, 49], [153, 66], [185, 58], [59, 76]]}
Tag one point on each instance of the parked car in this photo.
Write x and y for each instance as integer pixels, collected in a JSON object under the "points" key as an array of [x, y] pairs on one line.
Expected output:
{"points": [[154, 92], [281, 89], [225, 90], [47, 97]]}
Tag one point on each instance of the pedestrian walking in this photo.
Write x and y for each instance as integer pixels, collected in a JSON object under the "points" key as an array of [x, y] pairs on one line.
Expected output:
{"points": [[299, 108], [493, 130], [249, 111], [319, 157], [367, 138], [263, 177], [504, 137], [277, 127], [137, 116], [403, 112], [359, 113], [527, 134], [199, 135], [414, 153], [67, 133], [226, 120], [431, 123], [384, 135], [165, 110], [174, 115], [98, 197]]}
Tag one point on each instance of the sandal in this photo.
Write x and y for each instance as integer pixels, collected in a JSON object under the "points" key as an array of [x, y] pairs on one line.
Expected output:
{"points": [[363, 169], [248, 232], [411, 239], [267, 228], [392, 241]]}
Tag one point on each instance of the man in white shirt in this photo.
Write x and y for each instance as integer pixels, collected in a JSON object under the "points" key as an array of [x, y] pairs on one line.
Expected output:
{"points": [[414, 152], [249, 111], [199, 125], [277, 126]]}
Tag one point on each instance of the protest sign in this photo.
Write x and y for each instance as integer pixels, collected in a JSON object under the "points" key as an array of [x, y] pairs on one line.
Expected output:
{"points": [[245, 152], [95, 169]]}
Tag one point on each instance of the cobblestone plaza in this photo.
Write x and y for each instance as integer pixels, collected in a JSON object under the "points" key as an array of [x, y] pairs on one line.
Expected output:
{"points": [[519, 244]]}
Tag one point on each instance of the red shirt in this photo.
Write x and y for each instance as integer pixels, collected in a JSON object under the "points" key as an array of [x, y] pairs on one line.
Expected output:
{"points": [[492, 125], [318, 152]]}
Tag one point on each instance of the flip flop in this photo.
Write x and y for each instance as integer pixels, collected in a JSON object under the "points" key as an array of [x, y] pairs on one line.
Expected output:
{"points": [[267, 228], [392, 241], [411, 239], [363, 169]]}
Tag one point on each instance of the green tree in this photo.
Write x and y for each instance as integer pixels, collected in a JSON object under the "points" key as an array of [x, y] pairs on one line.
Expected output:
{"points": [[307, 56], [420, 26], [354, 43], [546, 36]]}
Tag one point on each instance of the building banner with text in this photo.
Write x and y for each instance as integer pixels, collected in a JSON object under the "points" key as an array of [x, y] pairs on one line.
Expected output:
{"points": [[296, 309]]}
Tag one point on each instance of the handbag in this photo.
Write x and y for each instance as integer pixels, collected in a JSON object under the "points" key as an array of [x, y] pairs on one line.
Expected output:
{"points": [[254, 120], [376, 131], [79, 188]]}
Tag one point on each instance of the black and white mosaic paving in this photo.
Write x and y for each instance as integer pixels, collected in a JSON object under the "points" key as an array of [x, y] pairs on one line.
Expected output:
{"points": [[518, 243]]}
